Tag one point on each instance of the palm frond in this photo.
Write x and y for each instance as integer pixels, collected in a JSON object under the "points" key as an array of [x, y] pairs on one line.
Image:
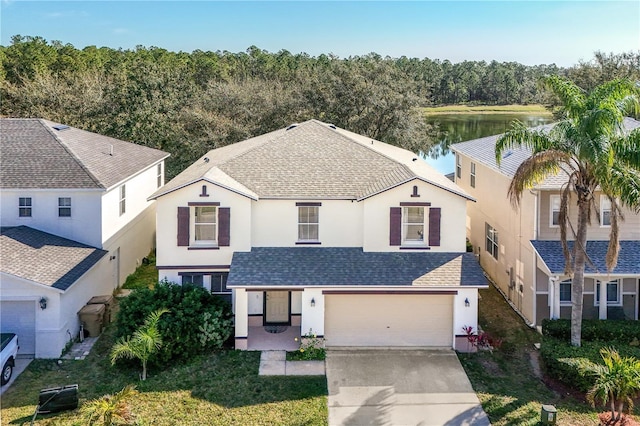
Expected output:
{"points": [[520, 136], [533, 171], [573, 98], [627, 149], [619, 94]]}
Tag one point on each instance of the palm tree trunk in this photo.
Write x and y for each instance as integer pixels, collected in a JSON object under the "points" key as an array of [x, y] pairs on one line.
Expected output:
{"points": [[144, 369], [620, 408], [577, 284]]}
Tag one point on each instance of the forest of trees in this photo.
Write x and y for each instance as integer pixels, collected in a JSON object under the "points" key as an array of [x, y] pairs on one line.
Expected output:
{"points": [[188, 103]]}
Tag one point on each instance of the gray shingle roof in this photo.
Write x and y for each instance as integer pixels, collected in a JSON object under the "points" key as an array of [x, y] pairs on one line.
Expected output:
{"points": [[483, 151], [628, 260], [36, 155], [350, 266], [311, 160], [45, 258]]}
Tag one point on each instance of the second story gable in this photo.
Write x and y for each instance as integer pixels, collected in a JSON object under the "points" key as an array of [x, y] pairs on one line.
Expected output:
{"points": [[73, 183]]}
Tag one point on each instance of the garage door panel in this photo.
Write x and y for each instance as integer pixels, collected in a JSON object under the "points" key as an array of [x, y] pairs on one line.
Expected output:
{"points": [[389, 320], [20, 318]]}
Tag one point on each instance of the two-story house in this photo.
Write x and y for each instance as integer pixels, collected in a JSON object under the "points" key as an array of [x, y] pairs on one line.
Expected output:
{"points": [[315, 229], [520, 248], [75, 222]]}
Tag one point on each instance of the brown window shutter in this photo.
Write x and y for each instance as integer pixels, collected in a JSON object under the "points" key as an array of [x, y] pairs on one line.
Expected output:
{"points": [[434, 226], [224, 232], [395, 226], [183, 226]]}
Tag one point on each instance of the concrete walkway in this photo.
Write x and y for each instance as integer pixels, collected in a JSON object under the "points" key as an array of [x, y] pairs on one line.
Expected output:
{"points": [[400, 387], [21, 365], [274, 363], [80, 350]]}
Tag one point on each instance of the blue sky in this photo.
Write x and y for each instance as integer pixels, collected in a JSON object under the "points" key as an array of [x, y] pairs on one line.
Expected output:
{"points": [[529, 32]]}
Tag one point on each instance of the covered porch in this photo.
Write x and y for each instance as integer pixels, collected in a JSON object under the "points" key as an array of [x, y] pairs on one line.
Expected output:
{"points": [[270, 338]]}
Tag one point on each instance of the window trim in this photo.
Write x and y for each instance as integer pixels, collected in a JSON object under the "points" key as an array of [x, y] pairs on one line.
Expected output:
{"points": [[604, 200], [122, 199], [472, 175], [159, 175], [404, 223], [491, 236], [565, 282], [315, 206], [65, 207], [27, 206], [553, 197], [193, 224], [458, 166], [596, 296]]}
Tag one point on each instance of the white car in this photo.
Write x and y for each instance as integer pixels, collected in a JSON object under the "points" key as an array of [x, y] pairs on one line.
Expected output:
{"points": [[8, 355]]}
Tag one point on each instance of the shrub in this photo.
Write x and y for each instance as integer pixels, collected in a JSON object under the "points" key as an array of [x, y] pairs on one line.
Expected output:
{"points": [[311, 348], [198, 321], [618, 331]]}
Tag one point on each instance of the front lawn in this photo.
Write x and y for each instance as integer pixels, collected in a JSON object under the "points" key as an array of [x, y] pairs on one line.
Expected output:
{"points": [[508, 382], [222, 388]]}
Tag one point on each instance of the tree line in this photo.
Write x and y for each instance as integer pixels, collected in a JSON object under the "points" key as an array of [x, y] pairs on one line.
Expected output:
{"points": [[188, 103]]}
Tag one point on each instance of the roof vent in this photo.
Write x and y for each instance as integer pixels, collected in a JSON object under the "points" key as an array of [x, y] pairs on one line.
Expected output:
{"points": [[507, 154], [292, 126], [332, 126], [61, 127]]}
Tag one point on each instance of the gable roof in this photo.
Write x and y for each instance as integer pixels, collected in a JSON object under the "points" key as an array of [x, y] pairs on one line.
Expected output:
{"points": [[483, 151], [45, 258], [350, 266], [37, 155], [310, 160], [628, 259]]}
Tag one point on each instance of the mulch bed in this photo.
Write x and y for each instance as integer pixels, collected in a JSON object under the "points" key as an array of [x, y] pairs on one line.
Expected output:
{"points": [[605, 420]]}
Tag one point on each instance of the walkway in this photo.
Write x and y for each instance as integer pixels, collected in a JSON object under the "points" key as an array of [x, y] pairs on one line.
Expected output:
{"points": [[274, 363]]}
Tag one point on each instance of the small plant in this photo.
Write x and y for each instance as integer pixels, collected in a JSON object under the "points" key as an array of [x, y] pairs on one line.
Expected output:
{"points": [[311, 348], [110, 408], [481, 340], [145, 342]]}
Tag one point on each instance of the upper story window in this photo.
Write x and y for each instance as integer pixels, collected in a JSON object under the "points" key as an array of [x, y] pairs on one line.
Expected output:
{"points": [[64, 206], [458, 166], [554, 210], [24, 207], [472, 176], [565, 292], [159, 175], [205, 225], [123, 200], [492, 240], [605, 211], [614, 296], [308, 223], [413, 225]]}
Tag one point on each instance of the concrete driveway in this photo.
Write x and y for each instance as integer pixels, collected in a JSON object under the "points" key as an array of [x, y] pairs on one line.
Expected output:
{"points": [[400, 387], [21, 365]]}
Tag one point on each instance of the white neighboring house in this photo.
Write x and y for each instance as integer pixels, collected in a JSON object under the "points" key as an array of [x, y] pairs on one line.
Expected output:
{"points": [[316, 229], [75, 222]]}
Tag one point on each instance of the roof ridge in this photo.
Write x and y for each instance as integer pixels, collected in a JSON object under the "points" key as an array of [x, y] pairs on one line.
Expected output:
{"points": [[71, 153]]}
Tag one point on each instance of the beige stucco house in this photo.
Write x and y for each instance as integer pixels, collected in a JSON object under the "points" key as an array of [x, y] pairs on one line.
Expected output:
{"points": [[520, 248], [315, 229]]}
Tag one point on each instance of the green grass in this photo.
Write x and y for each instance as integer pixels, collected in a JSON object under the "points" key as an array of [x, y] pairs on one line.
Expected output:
{"points": [[221, 388], [510, 392], [145, 276], [487, 109]]}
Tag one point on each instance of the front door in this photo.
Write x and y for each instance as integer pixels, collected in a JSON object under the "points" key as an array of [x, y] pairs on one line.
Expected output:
{"points": [[276, 310]]}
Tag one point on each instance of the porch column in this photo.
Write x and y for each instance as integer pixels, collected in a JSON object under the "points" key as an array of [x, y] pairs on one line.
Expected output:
{"points": [[241, 318], [602, 309], [554, 298], [312, 312]]}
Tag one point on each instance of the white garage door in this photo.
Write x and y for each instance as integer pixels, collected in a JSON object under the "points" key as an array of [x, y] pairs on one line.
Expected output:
{"points": [[388, 320], [20, 318]]}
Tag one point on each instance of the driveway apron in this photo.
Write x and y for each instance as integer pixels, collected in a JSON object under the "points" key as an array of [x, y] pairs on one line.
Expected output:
{"points": [[400, 387]]}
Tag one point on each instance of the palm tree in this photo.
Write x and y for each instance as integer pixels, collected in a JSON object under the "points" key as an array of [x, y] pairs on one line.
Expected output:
{"points": [[617, 381], [591, 147], [110, 407], [145, 342]]}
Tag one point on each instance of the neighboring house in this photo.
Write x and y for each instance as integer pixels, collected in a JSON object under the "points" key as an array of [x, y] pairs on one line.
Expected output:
{"points": [[520, 247], [324, 231], [67, 193]]}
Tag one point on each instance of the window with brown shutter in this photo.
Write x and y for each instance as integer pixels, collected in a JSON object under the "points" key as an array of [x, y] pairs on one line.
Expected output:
{"points": [[224, 219], [434, 226], [395, 226], [183, 226]]}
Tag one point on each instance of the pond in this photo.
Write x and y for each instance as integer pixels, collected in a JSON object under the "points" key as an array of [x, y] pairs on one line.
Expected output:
{"points": [[454, 128]]}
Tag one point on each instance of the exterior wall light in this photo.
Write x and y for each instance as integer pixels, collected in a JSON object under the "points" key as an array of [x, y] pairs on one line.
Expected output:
{"points": [[313, 302], [43, 303], [466, 302]]}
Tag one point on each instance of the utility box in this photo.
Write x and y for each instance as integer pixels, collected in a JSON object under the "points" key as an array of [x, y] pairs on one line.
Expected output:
{"points": [[548, 415], [107, 301], [92, 317]]}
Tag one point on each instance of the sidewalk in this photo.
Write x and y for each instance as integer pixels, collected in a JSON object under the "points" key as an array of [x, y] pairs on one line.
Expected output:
{"points": [[274, 363]]}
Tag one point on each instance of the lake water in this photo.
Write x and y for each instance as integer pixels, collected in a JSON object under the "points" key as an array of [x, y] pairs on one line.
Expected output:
{"points": [[456, 128]]}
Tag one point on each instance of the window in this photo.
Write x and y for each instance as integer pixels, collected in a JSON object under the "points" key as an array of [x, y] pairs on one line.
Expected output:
{"points": [[605, 211], [554, 210], [308, 223], [196, 280], [613, 293], [123, 204], [458, 166], [565, 292], [219, 285], [24, 207], [64, 206], [413, 225], [492, 240], [206, 226], [473, 175], [159, 175]]}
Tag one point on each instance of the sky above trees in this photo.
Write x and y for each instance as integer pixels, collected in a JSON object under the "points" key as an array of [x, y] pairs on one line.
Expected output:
{"points": [[529, 32]]}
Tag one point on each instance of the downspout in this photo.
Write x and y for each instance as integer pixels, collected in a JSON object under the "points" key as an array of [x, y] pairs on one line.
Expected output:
{"points": [[534, 264]]}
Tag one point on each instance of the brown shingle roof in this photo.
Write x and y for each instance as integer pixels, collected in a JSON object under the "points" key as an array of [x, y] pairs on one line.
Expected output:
{"points": [[36, 155], [311, 160]]}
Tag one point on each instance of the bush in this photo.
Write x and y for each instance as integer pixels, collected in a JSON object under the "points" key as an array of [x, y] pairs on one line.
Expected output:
{"points": [[311, 349], [615, 331], [198, 321]]}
